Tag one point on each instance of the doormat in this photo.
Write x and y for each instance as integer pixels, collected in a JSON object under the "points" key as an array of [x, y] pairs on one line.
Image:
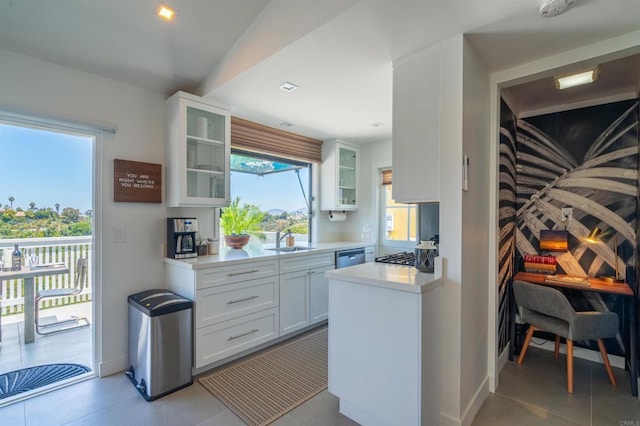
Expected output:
{"points": [[26, 379], [267, 386]]}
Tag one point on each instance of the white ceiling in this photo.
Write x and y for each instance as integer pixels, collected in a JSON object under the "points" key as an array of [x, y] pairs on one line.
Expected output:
{"points": [[339, 52]]}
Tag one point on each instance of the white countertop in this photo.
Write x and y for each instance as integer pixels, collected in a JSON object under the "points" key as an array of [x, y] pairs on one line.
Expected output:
{"points": [[250, 252], [394, 277]]}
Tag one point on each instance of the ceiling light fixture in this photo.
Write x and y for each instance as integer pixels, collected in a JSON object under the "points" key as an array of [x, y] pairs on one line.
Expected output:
{"points": [[286, 124], [165, 12], [550, 8], [576, 79], [287, 87]]}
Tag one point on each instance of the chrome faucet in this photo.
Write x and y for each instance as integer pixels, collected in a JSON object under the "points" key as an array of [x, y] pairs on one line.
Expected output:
{"points": [[279, 238]]}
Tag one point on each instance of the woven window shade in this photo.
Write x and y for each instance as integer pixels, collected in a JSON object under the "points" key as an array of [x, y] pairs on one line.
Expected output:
{"points": [[256, 137], [386, 177]]}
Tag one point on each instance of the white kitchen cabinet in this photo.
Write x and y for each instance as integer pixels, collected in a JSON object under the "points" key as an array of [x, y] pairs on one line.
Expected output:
{"points": [[416, 127], [225, 302], [236, 307], [198, 152], [294, 301], [339, 176], [318, 294], [227, 338], [304, 291]]}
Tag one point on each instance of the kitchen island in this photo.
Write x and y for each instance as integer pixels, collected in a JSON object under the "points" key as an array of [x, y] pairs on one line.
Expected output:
{"points": [[384, 344]]}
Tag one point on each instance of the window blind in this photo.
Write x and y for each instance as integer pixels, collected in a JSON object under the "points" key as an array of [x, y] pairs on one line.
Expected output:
{"points": [[386, 177], [255, 137]]}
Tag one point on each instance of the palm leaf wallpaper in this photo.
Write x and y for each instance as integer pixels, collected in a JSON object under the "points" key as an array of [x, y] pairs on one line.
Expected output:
{"points": [[506, 219], [587, 160]]}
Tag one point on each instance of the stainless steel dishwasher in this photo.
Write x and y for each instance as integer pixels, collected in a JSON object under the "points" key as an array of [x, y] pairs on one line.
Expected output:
{"points": [[349, 257]]}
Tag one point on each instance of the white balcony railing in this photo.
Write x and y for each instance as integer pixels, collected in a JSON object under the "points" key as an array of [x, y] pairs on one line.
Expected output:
{"points": [[48, 250]]}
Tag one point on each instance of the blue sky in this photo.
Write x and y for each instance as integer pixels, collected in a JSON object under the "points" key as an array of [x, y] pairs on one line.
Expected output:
{"points": [[275, 191], [45, 168]]}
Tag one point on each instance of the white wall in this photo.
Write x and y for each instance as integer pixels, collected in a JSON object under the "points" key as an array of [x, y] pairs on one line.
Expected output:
{"points": [[450, 247], [38, 88], [352, 228], [372, 155], [474, 375], [464, 129]]}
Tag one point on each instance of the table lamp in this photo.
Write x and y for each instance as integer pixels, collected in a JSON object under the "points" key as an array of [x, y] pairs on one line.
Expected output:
{"points": [[596, 235]]}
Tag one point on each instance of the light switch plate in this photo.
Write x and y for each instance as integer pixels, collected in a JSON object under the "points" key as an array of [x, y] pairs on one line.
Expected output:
{"points": [[119, 235]]}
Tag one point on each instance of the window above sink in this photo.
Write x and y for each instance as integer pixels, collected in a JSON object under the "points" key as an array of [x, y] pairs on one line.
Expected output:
{"points": [[279, 188]]}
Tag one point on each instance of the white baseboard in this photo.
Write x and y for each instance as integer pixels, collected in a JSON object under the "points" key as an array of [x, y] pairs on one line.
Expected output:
{"points": [[114, 366], [447, 420], [476, 402], [503, 358], [583, 353]]}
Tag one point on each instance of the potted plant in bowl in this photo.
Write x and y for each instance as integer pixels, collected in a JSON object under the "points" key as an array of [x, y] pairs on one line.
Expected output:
{"points": [[238, 223]]}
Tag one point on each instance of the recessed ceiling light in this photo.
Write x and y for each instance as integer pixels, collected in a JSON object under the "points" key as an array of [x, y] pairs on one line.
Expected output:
{"points": [[165, 12], [287, 87], [377, 124], [576, 79]]}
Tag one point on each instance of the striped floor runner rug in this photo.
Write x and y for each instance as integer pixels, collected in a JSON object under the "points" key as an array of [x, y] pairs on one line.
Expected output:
{"points": [[266, 386]]}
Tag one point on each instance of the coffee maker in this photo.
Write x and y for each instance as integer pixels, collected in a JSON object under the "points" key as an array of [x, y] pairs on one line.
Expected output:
{"points": [[181, 237]]}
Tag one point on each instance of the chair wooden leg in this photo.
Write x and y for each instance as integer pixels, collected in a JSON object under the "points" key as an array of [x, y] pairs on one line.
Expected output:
{"points": [[607, 365], [569, 365], [525, 345], [556, 352]]}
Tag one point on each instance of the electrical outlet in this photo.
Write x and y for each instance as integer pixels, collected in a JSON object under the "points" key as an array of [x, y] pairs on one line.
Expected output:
{"points": [[567, 213]]}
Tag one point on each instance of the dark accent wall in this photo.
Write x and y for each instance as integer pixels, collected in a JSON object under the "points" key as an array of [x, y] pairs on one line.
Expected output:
{"points": [[506, 219], [585, 159]]}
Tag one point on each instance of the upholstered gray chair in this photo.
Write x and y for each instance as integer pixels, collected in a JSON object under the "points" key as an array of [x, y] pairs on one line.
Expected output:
{"points": [[547, 309], [78, 285]]}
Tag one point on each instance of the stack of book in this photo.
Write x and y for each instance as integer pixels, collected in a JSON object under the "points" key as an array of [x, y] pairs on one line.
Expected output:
{"points": [[540, 264]]}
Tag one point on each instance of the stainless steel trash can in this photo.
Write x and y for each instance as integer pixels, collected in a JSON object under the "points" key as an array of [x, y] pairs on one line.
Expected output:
{"points": [[160, 342]]}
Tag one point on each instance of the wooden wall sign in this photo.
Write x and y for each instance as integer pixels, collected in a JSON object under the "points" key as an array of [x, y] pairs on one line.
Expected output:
{"points": [[136, 182]]}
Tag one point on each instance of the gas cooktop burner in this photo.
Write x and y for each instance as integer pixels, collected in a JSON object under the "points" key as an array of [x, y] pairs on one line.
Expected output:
{"points": [[404, 258]]}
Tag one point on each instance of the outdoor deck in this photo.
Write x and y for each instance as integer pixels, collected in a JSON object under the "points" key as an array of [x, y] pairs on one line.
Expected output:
{"points": [[74, 346]]}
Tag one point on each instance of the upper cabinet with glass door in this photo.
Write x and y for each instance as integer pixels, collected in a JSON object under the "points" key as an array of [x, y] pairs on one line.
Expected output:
{"points": [[340, 169], [198, 152]]}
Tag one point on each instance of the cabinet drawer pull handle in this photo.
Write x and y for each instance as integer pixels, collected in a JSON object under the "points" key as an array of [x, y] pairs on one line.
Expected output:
{"points": [[233, 274], [255, 330], [231, 302]]}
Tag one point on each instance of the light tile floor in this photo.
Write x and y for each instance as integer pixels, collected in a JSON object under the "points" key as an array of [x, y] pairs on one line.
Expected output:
{"points": [[535, 393], [531, 394]]}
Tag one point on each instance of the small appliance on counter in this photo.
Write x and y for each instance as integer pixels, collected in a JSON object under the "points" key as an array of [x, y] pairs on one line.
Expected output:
{"points": [[181, 237]]}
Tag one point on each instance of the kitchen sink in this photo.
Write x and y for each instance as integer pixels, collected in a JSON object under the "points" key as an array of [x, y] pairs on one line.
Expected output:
{"points": [[289, 249]]}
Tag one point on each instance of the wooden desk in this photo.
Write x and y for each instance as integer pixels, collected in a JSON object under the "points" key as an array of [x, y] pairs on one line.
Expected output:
{"points": [[598, 286], [27, 274]]}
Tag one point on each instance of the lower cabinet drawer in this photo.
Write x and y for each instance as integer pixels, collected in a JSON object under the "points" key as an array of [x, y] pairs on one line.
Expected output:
{"points": [[221, 340], [225, 302]]}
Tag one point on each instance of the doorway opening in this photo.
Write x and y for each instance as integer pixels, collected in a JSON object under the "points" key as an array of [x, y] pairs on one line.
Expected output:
{"points": [[46, 214]]}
